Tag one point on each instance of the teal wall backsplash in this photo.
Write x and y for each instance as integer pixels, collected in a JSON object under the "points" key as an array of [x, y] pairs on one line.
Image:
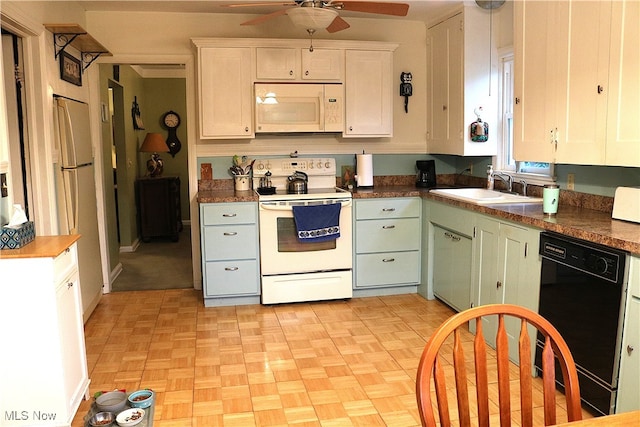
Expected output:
{"points": [[600, 180]]}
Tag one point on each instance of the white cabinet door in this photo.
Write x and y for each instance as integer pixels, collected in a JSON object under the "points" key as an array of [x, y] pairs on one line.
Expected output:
{"points": [[623, 126], [534, 81], [74, 363], [226, 93], [368, 93], [322, 64], [444, 82], [583, 39], [277, 63]]}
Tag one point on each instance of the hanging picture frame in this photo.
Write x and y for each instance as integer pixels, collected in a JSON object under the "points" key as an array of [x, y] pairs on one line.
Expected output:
{"points": [[135, 115], [70, 69]]}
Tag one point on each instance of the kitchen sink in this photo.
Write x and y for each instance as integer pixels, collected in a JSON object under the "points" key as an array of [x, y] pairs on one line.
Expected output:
{"points": [[483, 196]]}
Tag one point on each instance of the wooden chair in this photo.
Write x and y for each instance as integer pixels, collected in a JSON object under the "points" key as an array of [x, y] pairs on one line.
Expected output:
{"points": [[431, 366]]}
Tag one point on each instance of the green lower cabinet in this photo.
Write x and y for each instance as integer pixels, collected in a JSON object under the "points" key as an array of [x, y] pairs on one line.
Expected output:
{"points": [[230, 258], [387, 245], [451, 254], [506, 271], [628, 398]]}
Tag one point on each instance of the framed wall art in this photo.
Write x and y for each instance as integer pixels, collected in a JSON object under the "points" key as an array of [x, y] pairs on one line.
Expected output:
{"points": [[70, 69]]}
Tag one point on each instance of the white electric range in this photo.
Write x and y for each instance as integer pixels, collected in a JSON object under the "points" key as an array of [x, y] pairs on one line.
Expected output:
{"points": [[291, 270]]}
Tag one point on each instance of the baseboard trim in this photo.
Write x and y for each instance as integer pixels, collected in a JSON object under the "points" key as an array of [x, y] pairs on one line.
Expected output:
{"points": [[132, 248]]}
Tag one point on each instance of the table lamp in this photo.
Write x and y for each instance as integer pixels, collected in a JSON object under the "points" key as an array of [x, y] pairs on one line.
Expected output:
{"points": [[154, 143]]}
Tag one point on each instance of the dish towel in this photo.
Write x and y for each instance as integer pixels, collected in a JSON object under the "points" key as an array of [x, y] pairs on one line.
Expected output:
{"points": [[317, 223]]}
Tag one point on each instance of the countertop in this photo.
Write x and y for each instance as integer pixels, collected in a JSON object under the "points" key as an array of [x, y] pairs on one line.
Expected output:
{"points": [[41, 247], [579, 222]]}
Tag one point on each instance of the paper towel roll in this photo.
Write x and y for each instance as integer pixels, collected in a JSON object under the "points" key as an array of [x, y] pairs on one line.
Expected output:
{"points": [[364, 170]]}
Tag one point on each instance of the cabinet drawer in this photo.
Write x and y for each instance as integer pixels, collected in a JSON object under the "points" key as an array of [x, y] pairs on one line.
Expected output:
{"points": [[388, 208], [229, 213], [386, 235], [230, 242], [392, 268], [229, 278], [454, 219], [64, 263]]}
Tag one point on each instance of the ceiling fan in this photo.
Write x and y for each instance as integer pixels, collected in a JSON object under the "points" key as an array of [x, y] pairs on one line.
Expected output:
{"points": [[317, 15]]}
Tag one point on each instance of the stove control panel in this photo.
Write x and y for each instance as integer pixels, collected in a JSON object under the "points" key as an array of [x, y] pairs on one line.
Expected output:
{"points": [[324, 166]]}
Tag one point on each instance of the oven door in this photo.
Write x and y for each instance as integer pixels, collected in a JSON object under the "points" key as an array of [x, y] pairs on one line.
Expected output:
{"points": [[282, 253]]}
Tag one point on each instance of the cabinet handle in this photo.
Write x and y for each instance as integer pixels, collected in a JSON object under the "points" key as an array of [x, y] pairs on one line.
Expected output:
{"points": [[517, 100], [388, 260], [600, 89], [388, 209], [629, 349], [231, 269], [246, 129], [350, 128], [66, 251], [498, 284], [444, 108], [69, 285], [455, 238], [387, 227], [447, 234], [291, 72], [306, 73], [229, 215], [230, 233]]}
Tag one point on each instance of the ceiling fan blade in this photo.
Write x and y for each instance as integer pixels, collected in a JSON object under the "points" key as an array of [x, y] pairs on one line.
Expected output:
{"points": [[234, 5], [263, 18], [338, 24], [385, 8]]}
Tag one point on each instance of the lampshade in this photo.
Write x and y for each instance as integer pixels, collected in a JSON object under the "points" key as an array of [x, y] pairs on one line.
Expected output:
{"points": [[312, 18], [154, 143]]}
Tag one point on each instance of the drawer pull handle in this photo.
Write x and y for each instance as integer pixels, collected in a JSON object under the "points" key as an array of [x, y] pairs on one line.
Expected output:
{"points": [[232, 215], [455, 238], [447, 234], [498, 284], [388, 209], [231, 269], [230, 233], [388, 260], [69, 285], [387, 227], [629, 349], [66, 251]]}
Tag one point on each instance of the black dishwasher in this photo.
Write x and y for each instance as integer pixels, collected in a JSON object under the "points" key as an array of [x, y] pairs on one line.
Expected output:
{"points": [[582, 293]]}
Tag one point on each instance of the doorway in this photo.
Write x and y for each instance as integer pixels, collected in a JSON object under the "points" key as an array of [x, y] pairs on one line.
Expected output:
{"points": [[19, 179], [154, 89]]}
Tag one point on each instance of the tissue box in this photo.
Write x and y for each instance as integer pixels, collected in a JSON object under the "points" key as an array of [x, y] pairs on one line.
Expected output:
{"points": [[17, 237]]}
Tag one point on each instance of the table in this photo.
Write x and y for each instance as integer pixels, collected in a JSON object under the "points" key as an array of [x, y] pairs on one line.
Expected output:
{"points": [[626, 419]]}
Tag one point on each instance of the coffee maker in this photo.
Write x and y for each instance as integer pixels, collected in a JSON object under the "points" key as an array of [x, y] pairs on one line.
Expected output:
{"points": [[426, 176]]}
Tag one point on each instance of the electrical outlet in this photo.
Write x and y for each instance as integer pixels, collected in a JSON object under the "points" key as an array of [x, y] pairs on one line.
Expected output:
{"points": [[470, 168], [571, 185]]}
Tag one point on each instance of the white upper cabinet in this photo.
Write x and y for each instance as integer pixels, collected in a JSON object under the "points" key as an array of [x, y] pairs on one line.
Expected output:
{"points": [[623, 123], [276, 63], [459, 82], [534, 89], [577, 82], [368, 93], [225, 92]]}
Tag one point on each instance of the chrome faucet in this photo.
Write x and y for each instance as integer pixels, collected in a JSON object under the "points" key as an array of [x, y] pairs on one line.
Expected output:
{"points": [[524, 187], [506, 178]]}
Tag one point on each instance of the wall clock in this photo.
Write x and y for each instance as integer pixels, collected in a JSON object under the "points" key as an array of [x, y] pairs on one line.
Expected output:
{"points": [[171, 120]]}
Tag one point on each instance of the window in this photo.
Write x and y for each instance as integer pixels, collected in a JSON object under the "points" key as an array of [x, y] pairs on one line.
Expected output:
{"points": [[532, 172]]}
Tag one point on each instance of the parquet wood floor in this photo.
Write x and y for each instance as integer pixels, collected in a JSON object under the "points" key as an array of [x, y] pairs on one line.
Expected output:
{"points": [[335, 363]]}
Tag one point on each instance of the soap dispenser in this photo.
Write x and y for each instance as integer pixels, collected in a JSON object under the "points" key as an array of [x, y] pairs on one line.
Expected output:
{"points": [[490, 177]]}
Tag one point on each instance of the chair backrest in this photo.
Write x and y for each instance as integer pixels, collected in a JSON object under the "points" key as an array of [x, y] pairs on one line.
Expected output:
{"points": [[432, 368]]}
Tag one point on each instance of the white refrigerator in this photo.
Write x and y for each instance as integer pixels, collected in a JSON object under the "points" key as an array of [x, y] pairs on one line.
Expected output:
{"points": [[76, 194]]}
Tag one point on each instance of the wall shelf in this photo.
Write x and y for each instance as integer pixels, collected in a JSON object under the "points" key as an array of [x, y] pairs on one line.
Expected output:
{"points": [[74, 35]]}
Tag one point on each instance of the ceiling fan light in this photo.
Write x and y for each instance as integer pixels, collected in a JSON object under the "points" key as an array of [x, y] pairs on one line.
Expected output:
{"points": [[312, 18]]}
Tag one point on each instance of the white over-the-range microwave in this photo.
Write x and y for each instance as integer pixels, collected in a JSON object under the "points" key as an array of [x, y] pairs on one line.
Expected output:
{"points": [[299, 107]]}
